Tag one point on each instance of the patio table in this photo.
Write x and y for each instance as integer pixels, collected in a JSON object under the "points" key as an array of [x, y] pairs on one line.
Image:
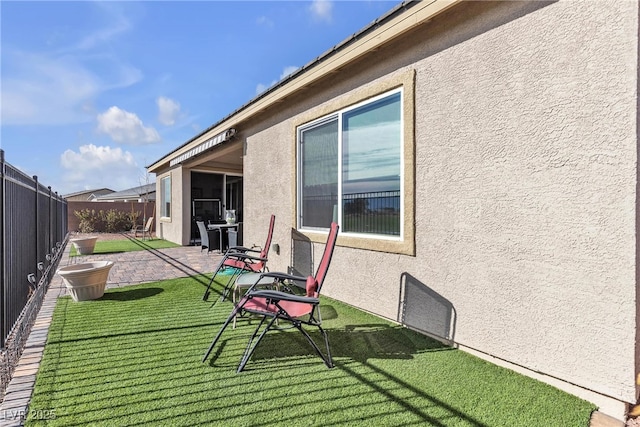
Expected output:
{"points": [[223, 228]]}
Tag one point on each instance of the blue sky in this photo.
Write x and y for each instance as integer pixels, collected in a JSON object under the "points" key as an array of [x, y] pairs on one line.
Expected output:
{"points": [[92, 92]]}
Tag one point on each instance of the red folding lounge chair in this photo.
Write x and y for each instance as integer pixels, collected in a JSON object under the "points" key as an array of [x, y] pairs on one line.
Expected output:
{"points": [[243, 260], [280, 306]]}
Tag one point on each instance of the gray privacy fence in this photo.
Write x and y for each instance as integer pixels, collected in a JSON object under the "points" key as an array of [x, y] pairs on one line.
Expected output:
{"points": [[33, 230]]}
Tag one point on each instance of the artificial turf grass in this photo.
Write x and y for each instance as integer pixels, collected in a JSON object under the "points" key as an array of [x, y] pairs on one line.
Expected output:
{"points": [[134, 357], [127, 245]]}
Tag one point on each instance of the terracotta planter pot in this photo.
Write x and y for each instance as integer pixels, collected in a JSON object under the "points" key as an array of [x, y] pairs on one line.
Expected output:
{"points": [[86, 281], [84, 245]]}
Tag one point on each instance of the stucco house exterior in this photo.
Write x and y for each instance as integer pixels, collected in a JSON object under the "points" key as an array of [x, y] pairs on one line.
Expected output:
{"points": [[481, 158]]}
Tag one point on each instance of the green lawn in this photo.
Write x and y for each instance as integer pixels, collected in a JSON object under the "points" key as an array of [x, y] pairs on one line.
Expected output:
{"points": [[134, 356], [126, 245]]}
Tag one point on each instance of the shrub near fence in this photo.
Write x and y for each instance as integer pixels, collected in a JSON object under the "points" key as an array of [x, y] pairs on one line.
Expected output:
{"points": [[126, 208], [33, 231], [111, 221]]}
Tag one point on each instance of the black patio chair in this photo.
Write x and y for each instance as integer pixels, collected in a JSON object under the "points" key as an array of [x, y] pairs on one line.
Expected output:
{"points": [[207, 237]]}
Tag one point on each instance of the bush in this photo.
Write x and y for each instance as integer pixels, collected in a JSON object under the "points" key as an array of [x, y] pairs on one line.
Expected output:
{"points": [[115, 221], [87, 219], [111, 221]]}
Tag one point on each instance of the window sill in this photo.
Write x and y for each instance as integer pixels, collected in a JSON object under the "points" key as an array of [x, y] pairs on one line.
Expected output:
{"points": [[402, 247]]}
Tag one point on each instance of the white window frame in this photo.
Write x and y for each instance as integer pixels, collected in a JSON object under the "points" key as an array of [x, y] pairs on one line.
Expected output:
{"points": [[164, 182], [339, 116]]}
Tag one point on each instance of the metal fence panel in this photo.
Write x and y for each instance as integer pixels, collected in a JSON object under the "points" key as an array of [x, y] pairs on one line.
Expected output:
{"points": [[33, 226], [20, 250]]}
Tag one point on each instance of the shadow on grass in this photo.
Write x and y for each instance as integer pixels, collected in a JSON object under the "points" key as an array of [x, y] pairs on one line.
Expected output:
{"points": [[354, 343], [358, 342], [148, 370], [131, 294], [361, 343]]}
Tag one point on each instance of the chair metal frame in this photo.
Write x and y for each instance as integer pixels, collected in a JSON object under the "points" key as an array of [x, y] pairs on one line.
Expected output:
{"points": [[244, 260], [144, 229], [276, 306]]}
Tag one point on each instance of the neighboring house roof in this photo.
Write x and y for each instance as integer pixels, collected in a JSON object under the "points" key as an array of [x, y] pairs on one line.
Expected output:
{"points": [[86, 195], [147, 191], [402, 18]]}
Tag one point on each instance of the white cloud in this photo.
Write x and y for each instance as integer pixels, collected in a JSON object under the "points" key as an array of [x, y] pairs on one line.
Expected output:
{"points": [[168, 110], [51, 87], [119, 24], [288, 71], [261, 87], [41, 90], [322, 10], [125, 127], [263, 21], [91, 157], [97, 167]]}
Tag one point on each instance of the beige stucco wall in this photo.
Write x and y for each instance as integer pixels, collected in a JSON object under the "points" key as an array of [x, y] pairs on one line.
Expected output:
{"points": [[535, 190], [175, 228], [525, 195]]}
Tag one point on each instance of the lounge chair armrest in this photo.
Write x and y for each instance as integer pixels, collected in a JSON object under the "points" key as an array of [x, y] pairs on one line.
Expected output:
{"points": [[241, 256], [283, 296], [242, 249], [287, 282], [284, 276], [258, 280]]}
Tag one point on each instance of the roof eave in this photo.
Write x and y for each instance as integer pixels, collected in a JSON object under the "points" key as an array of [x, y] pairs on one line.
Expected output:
{"points": [[402, 18]]}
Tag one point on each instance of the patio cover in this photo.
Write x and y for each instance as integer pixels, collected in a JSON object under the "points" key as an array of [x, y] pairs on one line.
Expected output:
{"points": [[218, 139]]}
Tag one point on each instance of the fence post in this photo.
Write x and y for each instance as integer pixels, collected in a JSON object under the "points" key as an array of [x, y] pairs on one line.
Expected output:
{"points": [[50, 222], [35, 220], [3, 261]]}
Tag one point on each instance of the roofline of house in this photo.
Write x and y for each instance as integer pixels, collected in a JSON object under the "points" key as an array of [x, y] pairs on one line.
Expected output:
{"points": [[77, 193], [138, 191], [399, 20]]}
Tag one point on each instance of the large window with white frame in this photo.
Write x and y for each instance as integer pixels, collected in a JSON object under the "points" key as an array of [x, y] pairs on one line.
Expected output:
{"points": [[350, 169], [165, 197]]}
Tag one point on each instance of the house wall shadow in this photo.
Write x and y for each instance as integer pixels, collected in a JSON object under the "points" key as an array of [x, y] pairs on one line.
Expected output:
{"points": [[423, 309]]}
